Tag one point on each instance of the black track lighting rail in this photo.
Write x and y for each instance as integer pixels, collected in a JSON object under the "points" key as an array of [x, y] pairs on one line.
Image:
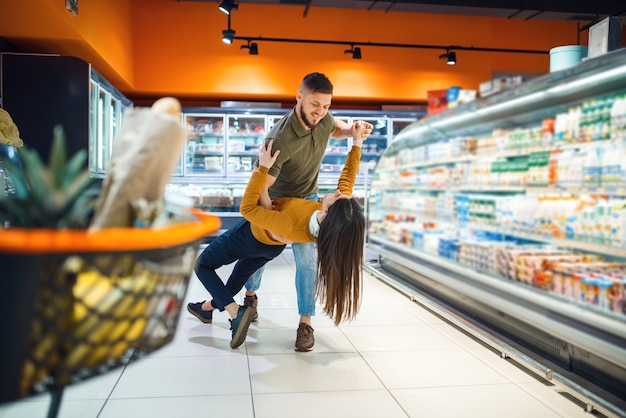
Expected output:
{"points": [[390, 45]]}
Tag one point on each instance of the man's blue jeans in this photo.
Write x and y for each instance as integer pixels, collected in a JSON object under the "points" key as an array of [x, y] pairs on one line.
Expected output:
{"points": [[305, 256]]}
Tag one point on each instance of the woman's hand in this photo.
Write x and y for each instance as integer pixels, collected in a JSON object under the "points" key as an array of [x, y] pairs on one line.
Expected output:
{"points": [[266, 159], [360, 131]]}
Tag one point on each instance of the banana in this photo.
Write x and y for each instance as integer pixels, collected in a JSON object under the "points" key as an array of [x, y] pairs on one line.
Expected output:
{"points": [[89, 291], [107, 317], [113, 322]]}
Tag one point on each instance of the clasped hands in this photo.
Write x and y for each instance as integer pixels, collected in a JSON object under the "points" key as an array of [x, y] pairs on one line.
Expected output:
{"points": [[360, 130]]}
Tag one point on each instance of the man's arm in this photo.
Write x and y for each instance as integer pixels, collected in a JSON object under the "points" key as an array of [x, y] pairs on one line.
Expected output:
{"points": [[343, 130]]}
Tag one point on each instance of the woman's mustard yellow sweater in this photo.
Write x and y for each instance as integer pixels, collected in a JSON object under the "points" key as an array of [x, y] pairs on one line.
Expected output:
{"points": [[290, 217]]}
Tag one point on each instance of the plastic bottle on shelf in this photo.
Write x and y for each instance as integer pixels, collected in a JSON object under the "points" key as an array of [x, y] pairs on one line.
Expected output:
{"points": [[597, 120], [583, 122], [572, 125], [611, 164], [554, 167], [592, 166], [602, 220], [617, 117], [606, 118], [560, 127]]}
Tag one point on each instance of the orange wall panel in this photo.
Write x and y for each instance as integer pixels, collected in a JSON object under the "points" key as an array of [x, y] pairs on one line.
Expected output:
{"points": [[188, 57], [100, 34], [150, 48]]}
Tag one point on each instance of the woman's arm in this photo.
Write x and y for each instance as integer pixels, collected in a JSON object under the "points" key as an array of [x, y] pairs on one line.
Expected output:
{"points": [[264, 199], [251, 206], [351, 168]]}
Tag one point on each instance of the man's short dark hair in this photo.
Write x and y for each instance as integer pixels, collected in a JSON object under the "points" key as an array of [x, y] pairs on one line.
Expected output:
{"points": [[317, 83]]}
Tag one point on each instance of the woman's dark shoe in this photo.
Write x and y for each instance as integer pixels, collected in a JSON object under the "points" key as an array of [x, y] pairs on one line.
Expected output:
{"points": [[196, 310], [240, 325]]}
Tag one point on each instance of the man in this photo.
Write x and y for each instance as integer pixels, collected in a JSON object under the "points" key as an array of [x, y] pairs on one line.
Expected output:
{"points": [[302, 137]]}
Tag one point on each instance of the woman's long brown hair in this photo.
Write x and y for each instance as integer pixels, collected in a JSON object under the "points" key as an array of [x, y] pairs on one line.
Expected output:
{"points": [[340, 259]]}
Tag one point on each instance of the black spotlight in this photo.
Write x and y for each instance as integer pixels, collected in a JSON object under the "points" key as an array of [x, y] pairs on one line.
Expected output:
{"points": [[449, 56], [227, 5], [355, 52], [253, 48], [227, 36]]}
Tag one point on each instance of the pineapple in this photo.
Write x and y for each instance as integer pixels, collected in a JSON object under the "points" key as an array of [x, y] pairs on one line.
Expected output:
{"points": [[61, 195]]}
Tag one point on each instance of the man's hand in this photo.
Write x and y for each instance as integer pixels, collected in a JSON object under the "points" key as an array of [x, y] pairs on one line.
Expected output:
{"points": [[266, 159], [361, 130]]}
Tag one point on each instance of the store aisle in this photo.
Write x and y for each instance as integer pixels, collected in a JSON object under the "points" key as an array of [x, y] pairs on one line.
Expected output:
{"points": [[396, 360]]}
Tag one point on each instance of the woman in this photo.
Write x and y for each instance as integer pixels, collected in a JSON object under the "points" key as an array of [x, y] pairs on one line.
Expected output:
{"points": [[337, 223]]}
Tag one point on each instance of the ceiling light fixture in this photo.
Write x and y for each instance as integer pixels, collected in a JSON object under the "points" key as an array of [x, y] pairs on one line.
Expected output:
{"points": [[449, 56], [355, 52], [253, 48], [228, 34], [227, 5]]}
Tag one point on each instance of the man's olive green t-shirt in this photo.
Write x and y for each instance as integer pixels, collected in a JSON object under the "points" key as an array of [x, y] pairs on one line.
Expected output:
{"points": [[301, 151]]}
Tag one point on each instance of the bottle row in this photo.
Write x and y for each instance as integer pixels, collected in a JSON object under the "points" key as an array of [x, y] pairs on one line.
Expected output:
{"points": [[592, 219], [552, 134], [601, 164], [583, 278]]}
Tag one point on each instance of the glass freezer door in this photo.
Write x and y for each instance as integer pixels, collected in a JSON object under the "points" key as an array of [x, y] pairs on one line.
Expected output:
{"points": [[101, 129], [205, 144], [245, 135], [376, 143], [335, 155]]}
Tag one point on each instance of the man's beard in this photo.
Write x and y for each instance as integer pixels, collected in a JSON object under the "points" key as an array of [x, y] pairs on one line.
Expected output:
{"points": [[306, 120]]}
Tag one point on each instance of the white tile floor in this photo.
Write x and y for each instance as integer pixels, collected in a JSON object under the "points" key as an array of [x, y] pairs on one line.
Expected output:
{"points": [[396, 360]]}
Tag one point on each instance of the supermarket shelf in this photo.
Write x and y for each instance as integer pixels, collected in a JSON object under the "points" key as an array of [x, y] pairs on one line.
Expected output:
{"points": [[558, 145], [443, 188], [590, 329], [498, 343], [561, 242], [614, 191]]}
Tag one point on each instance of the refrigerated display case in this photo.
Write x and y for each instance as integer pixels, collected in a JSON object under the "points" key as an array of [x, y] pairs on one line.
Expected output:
{"points": [[245, 135], [41, 91], [205, 144], [511, 211], [106, 111], [223, 146], [336, 154]]}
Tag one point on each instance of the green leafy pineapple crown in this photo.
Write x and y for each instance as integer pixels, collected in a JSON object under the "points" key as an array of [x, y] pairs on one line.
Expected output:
{"points": [[60, 195]]}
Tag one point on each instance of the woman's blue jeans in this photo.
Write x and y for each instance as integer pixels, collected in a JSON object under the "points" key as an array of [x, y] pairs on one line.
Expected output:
{"points": [[237, 244]]}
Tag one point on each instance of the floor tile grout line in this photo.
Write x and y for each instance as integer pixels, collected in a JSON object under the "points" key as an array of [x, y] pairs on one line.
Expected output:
{"points": [[108, 398], [372, 370]]}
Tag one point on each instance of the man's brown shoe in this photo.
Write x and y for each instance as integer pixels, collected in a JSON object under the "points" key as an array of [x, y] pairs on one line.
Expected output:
{"points": [[252, 301], [305, 340]]}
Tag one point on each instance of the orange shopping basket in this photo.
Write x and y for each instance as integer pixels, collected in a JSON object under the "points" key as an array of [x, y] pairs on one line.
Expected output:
{"points": [[77, 303]]}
